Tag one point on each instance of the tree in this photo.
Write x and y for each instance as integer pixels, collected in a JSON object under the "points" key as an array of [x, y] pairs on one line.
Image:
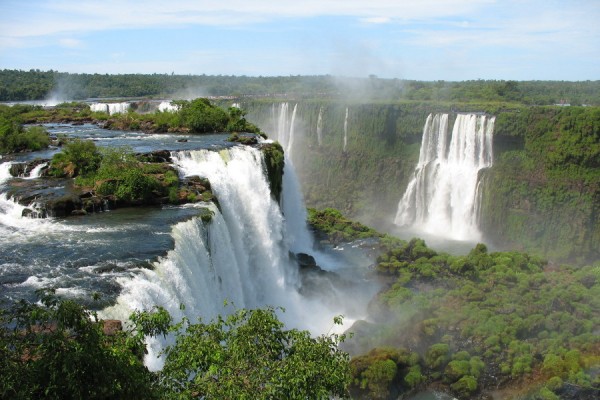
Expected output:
{"points": [[59, 350], [249, 355]]}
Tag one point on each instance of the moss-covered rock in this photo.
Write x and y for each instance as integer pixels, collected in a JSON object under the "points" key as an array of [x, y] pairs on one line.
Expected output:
{"points": [[274, 163]]}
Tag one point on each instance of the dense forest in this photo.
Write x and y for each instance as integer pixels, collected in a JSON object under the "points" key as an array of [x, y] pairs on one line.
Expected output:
{"points": [[18, 85]]}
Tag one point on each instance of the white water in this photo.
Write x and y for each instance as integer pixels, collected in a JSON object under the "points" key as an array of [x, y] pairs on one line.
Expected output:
{"points": [[99, 107], [292, 202], [5, 172], [167, 106], [442, 198], [346, 130], [36, 172], [242, 255], [110, 108], [320, 126], [285, 128]]}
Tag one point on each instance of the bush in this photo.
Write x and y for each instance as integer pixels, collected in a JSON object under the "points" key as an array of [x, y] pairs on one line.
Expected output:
{"points": [[79, 157]]}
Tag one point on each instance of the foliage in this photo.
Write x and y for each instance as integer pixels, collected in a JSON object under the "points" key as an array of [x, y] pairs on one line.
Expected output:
{"points": [[274, 164], [336, 227], [59, 350], [249, 354], [14, 138], [488, 318], [78, 157], [36, 84]]}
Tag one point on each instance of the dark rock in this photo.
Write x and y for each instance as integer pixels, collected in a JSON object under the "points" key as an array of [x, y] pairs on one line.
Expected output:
{"points": [[182, 140], [111, 327], [157, 156], [78, 212], [305, 260]]}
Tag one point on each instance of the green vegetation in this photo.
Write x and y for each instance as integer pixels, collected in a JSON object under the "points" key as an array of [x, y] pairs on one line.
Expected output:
{"points": [[274, 164], [248, 355], [541, 195], [487, 319], [61, 350], [336, 227], [543, 192], [115, 172], [14, 138], [36, 84]]}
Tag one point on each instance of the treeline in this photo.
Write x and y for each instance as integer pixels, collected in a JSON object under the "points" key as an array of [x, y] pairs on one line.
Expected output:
{"points": [[16, 85]]}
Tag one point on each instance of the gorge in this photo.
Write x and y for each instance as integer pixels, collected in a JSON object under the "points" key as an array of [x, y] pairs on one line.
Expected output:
{"points": [[252, 248]]}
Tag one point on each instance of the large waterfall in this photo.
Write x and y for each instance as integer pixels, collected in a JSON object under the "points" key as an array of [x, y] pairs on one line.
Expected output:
{"points": [[241, 255], [292, 202], [442, 197]]}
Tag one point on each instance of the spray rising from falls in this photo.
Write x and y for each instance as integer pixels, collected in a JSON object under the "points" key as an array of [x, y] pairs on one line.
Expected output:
{"points": [[442, 198]]}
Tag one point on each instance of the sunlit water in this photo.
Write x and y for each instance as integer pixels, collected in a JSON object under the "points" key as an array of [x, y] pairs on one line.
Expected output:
{"points": [[138, 258]]}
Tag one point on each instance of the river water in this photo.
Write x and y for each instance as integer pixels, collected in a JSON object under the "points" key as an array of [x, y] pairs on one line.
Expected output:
{"points": [[140, 257]]}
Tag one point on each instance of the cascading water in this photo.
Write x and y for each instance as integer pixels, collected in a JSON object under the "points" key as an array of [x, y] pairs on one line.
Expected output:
{"points": [[284, 133], [5, 172], [110, 108], [241, 255], [36, 172], [167, 106], [292, 202], [320, 127], [442, 197], [346, 130]]}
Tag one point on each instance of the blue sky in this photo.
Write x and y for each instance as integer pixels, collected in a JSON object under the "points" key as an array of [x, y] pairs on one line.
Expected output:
{"points": [[421, 39]]}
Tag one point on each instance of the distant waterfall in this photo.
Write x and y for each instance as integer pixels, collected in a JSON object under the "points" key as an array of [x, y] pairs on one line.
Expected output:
{"points": [[346, 130], [284, 132], [167, 106], [320, 126], [110, 108], [442, 197]]}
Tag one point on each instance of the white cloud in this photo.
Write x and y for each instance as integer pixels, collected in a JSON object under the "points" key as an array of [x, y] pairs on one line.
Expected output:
{"points": [[84, 16], [377, 20], [71, 43]]}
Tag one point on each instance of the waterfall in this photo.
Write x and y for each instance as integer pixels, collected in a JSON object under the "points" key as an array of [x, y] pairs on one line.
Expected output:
{"points": [[110, 108], [284, 132], [292, 201], [118, 108], [167, 106], [346, 130], [99, 107], [241, 255], [36, 172], [442, 197], [5, 172], [320, 126]]}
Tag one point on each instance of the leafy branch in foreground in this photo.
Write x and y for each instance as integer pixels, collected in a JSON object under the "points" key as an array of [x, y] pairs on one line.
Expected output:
{"points": [[60, 350]]}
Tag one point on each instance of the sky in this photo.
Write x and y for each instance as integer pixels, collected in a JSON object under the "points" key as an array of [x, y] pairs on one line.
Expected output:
{"points": [[450, 40]]}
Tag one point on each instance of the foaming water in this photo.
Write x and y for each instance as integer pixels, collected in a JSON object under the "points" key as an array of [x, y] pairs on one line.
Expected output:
{"points": [[442, 198], [241, 255]]}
